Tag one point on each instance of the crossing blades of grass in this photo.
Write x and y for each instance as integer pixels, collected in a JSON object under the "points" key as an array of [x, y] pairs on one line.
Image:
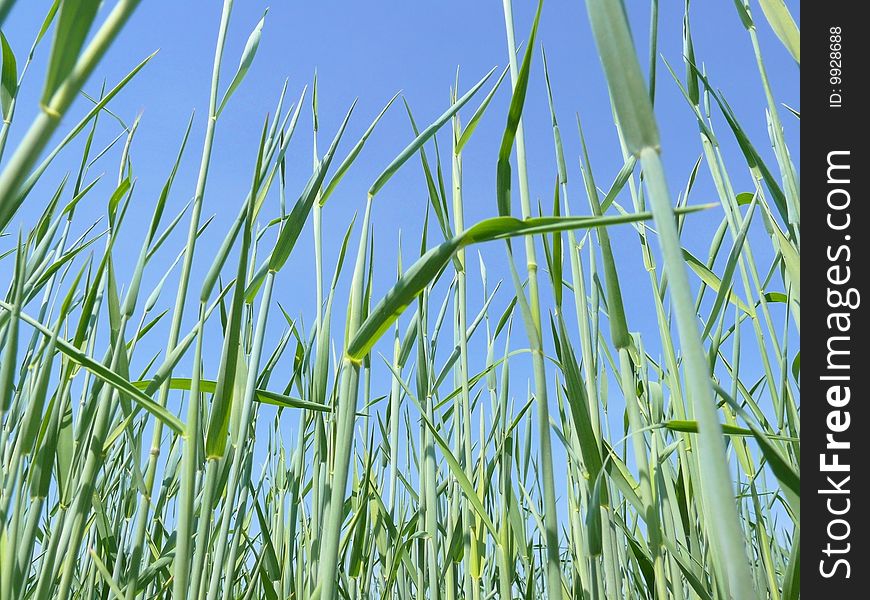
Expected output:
{"points": [[470, 463]]}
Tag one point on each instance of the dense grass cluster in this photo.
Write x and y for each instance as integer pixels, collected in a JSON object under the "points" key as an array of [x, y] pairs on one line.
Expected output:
{"points": [[419, 464]]}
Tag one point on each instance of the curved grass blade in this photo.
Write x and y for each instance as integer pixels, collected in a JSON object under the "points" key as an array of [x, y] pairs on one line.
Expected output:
{"points": [[515, 112], [245, 62], [430, 265], [106, 375], [783, 26], [424, 136]]}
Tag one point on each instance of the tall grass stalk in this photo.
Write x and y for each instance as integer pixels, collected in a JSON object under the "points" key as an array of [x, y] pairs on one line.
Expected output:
{"points": [[534, 331], [182, 569], [221, 443]]}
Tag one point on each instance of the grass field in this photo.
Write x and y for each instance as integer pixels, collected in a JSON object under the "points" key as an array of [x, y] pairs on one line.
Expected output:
{"points": [[171, 431]]}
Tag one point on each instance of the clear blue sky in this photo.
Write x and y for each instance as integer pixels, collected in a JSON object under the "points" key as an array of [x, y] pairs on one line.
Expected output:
{"points": [[371, 51]]}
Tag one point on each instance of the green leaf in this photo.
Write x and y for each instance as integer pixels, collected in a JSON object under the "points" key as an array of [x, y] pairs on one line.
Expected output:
{"points": [[561, 169], [743, 12], [299, 215], [692, 427], [104, 572], [615, 306], [353, 154], [424, 136], [692, 91], [428, 266], [790, 258], [618, 183], [725, 286], [463, 481], [785, 473], [106, 375], [744, 198], [556, 263], [116, 197], [593, 518], [270, 561], [685, 566], [518, 99], [245, 63], [775, 297], [783, 26], [49, 18], [8, 77], [712, 280], [478, 114], [578, 402], [74, 22], [208, 386]]}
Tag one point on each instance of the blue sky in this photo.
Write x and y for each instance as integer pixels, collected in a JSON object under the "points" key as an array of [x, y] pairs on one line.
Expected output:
{"points": [[371, 51]]}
